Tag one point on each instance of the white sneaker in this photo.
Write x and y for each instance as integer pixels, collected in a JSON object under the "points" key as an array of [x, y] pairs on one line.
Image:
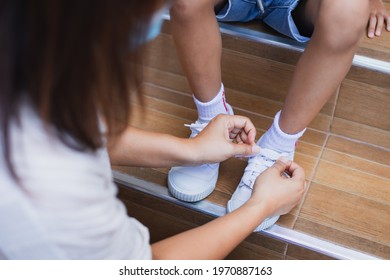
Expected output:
{"points": [[194, 183], [256, 165]]}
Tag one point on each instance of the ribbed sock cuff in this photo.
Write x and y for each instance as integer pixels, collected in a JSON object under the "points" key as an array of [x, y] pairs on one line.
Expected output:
{"points": [[207, 111], [277, 140]]}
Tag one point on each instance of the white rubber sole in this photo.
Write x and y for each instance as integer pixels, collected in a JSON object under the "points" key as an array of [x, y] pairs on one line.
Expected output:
{"points": [[189, 197]]}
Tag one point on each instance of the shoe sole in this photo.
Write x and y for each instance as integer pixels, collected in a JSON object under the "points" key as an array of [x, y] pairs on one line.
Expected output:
{"points": [[189, 197], [268, 222]]}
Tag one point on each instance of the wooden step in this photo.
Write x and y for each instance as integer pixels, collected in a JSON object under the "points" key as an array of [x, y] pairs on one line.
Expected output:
{"points": [[345, 151]]}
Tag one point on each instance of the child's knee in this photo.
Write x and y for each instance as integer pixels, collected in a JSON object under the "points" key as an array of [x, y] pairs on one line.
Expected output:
{"points": [[188, 9], [343, 22]]}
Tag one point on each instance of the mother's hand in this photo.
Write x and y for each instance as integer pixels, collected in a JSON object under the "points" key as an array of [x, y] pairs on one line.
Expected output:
{"points": [[225, 136]]}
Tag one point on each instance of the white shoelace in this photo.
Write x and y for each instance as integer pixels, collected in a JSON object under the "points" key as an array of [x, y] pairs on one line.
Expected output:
{"points": [[196, 128], [257, 164]]}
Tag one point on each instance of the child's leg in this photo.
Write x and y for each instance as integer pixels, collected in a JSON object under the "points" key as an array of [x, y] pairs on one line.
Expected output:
{"points": [[338, 27], [322, 66], [198, 42]]}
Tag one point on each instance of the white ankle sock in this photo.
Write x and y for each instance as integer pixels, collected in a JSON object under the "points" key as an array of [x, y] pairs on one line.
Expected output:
{"points": [[275, 139], [207, 111]]}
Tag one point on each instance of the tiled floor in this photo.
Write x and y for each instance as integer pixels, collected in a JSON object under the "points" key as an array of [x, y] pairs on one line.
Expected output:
{"points": [[345, 151], [348, 201]]}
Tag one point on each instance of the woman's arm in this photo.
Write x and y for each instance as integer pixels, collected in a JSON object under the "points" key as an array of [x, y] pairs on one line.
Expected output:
{"points": [[136, 147], [273, 195]]}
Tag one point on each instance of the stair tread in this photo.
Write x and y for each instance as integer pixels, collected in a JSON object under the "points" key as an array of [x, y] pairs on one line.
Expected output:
{"points": [[347, 174], [345, 152]]}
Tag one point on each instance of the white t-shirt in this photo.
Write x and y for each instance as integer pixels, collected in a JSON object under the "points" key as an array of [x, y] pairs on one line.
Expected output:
{"points": [[66, 205]]}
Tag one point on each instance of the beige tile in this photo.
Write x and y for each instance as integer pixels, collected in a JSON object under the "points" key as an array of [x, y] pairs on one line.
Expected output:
{"points": [[353, 181], [369, 77], [260, 50], [314, 137], [175, 82], [343, 238], [254, 75], [360, 150], [230, 172], [268, 107], [151, 120], [357, 163], [259, 77], [218, 197], [254, 104], [364, 104], [361, 132], [329, 107], [308, 149], [162, 55], [343, 211], [288, 220], [321, 122], [187, 115]]}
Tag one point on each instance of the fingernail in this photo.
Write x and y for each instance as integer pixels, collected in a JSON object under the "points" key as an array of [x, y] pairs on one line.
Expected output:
{"points": [[371, 34], [284, 159], [255, 149]]}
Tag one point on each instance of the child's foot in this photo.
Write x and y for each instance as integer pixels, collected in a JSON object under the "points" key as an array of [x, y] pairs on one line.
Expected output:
{"points": [[194, 183], [256, 165]]}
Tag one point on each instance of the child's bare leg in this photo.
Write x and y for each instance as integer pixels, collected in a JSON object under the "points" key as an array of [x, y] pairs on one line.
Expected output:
{"points": [[198, 42], [338, 27]]}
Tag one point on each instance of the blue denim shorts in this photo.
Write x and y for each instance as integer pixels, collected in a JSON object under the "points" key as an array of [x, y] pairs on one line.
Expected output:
{"points": [[275, 13]]}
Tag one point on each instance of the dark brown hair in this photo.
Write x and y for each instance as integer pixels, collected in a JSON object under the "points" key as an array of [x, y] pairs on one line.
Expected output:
{"points": [[73, 61]]}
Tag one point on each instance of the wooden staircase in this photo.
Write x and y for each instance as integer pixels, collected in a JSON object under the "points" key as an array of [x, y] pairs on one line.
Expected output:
{"points": [[345, 213]]}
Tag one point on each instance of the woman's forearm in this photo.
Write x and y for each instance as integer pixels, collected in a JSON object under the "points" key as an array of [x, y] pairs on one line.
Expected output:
{"points": [[272, 195], [214, 240], [224, 137], [136, 147]]}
